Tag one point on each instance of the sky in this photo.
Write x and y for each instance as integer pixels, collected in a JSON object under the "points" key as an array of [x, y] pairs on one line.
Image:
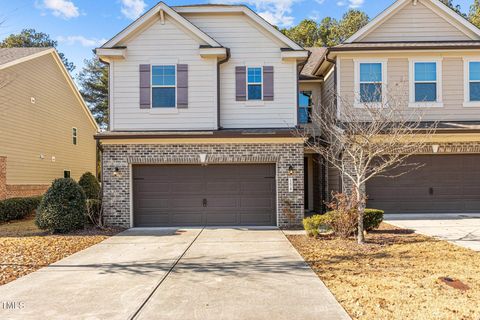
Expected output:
{"points": [[81, 25]]}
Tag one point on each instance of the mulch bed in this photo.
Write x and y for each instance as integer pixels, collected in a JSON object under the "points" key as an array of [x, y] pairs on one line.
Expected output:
{"points": [[397, 275], [24, 248]]}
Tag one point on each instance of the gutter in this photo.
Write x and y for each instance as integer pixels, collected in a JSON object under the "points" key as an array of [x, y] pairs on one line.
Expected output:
{"points": [[219, 63]]}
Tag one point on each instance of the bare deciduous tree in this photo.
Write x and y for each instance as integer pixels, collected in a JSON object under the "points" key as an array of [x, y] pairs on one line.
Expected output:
{"points": [[367, 139]]}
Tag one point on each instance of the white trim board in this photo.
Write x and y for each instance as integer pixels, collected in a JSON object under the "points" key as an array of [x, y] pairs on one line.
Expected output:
{"points": [[435, 5], [156, 11]]}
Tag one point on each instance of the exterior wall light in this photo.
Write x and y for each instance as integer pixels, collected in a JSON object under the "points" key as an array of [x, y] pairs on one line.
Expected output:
{"points": [[115, 173], [291, 171]]}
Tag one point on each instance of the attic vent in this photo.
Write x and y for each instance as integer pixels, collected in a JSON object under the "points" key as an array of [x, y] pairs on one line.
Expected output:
{"points": [[415, 2]]}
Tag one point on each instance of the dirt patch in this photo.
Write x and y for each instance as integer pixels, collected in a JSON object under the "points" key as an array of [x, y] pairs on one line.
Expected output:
{"points": [[25, 248], [396, 275]]}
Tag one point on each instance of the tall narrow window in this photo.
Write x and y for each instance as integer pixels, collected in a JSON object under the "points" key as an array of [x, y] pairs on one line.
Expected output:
{"points": [[370, 82], [164, 84], [66, 174], [425, 74], [474, 80], [74, 136], [305, 102], [254, 83]]}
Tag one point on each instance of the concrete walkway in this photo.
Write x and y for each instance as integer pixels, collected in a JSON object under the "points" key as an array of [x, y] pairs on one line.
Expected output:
{"points": [[176, 274], [460, 229]]}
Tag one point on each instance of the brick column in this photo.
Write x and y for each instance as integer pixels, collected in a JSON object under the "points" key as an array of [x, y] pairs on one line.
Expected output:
{"points": [[3, 177]]}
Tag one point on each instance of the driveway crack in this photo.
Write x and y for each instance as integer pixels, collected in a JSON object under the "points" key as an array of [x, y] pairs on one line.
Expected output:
{"points": [[165, 276]]}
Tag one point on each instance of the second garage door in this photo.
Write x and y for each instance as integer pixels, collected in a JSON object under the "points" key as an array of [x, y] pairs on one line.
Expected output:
{"points": [[213, 195], [445, 184]]}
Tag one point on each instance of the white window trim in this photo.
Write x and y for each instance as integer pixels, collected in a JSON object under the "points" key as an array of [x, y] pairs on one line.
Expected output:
{"points": [[356, 72], [255, 101], [466, 82], [75, 135], [411, 75], [163, 86]]}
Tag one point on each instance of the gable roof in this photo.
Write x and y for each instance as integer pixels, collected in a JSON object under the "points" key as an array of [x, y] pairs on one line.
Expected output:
{"points": [[223, 8], [453, 18], [13, 56], [317, 54], [157, 9], [9, 55]]}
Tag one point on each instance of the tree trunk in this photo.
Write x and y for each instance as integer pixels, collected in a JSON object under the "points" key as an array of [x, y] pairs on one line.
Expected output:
{"points": [[361, 214]]}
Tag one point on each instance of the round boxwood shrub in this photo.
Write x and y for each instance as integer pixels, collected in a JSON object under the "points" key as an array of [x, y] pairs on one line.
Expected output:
{"points": [[90, 185], [372, 219], [63, 207]]}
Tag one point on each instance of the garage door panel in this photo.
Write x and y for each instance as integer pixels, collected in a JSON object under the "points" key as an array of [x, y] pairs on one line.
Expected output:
{"points": [[173, 195], [447, 183], [222, 187]]}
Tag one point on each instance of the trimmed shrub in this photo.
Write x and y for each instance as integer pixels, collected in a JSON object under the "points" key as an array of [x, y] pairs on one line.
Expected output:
{"points": [[90, 185], [313, 224], [372, 219], [63, 207], [18, 208]]}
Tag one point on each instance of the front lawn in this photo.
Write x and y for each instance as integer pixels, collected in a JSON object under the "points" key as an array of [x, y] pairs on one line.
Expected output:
{"points": [[396, 275], [24, 248]]}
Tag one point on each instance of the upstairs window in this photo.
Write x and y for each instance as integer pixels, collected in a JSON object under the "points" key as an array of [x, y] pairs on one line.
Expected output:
{"points": [[254, 83], [370, 82], [305, 102], [426, 82], [164, 85], [74, 136], [474, 81]]}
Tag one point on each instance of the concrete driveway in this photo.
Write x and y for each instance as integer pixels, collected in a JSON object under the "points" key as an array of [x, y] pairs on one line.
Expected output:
{"points": [[176, 274], [460, 229]]}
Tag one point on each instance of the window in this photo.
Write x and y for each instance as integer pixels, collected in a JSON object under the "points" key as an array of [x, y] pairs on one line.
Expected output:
{"points": [[474, 81], [254, 83], [74, 136], [425, 75], [66, 174], [164, 84], [370, 82], [305, 102]]}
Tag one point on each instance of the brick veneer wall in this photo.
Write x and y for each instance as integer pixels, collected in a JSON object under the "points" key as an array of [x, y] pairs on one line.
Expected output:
{"points": [[443, 149], [116, 188], [17, 190]]}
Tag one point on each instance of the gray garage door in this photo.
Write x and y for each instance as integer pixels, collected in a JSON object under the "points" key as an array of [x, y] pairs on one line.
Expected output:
{"points": [[446, 184], [213, 195]]}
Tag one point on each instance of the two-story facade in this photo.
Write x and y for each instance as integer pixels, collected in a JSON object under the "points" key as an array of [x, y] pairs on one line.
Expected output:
{"points": [[206, 102], [424, 58], [203, 103]]}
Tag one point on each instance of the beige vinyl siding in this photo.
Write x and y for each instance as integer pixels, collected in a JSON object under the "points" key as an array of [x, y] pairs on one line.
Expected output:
{"points": [[415, 23], [328, 90], [398, 86], [249, 46], [164, 44], [28, 130]]}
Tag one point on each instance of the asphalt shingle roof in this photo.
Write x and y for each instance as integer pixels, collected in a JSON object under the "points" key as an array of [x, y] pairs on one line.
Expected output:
{"points": [[11, 54]]}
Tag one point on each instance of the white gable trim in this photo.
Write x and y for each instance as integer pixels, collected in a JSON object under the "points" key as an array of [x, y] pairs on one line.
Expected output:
{"points": [[158, 10], [248, 12], [444, 11]]}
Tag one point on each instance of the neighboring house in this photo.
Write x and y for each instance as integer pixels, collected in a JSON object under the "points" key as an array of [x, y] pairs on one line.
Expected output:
{"points": [[46, 130], [427, 57], [203, 103]]}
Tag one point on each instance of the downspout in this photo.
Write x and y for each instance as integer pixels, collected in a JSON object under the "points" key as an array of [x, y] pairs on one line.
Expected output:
{"points": [[219, 63]]}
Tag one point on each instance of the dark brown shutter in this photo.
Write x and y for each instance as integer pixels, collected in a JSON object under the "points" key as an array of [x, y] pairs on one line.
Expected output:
{"points": [[145, 98], [182, 85], [241, 83], [268, 83]]}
